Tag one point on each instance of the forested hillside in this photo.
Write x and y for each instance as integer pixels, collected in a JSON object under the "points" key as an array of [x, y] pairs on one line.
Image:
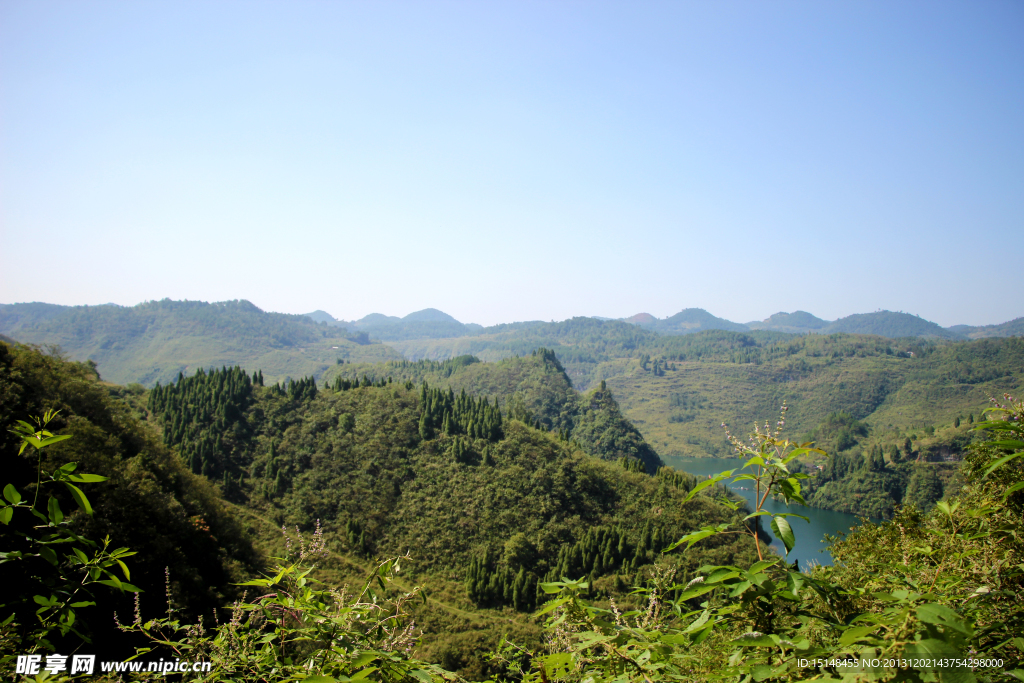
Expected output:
{"points": [[150, 502], [897, 388], [429, 323], [679, 390], [872, 473], [536, 390], [491, 504], [1014, 328], [154, 341]]}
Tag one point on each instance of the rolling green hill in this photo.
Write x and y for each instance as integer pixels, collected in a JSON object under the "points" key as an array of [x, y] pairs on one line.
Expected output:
{"points": [[687, 321], [889, 324], [679, 390], [489, 504], [156, 340], [533, 388], [1013, 328], [797, 322], [490, 507]]}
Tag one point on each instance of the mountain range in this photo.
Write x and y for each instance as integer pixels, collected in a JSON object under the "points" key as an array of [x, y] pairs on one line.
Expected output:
{"points": [[431, 323]]}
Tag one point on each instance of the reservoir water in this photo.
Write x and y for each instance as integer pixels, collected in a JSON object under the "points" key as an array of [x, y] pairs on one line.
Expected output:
{"points": [[810, 546]]}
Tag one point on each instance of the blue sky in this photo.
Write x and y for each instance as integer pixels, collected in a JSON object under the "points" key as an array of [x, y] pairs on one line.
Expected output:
{"points": [[514, 160]]}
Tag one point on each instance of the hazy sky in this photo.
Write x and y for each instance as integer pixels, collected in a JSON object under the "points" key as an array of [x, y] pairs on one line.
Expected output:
{"points": [[514, 160]]}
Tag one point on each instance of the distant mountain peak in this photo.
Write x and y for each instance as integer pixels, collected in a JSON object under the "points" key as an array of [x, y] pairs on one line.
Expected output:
{"points": [[691, 320], [641, 319], [430, 315], [889, 324], [797, 321], [322, 316], [378, 319]]}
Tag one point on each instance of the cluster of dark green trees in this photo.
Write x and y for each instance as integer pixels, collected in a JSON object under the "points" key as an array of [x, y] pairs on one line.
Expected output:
{"points": [[676, 479], [297, 390], [862, 481], [605, 550], [198, 411], [632, 464], [445, 412], [355, 534], [843, 465], [344, 384], [443, 368], [840, 430], [490, 584], [656, 367]]}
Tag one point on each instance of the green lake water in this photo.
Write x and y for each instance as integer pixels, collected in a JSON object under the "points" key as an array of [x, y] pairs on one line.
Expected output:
{"points": [[810, 546]]}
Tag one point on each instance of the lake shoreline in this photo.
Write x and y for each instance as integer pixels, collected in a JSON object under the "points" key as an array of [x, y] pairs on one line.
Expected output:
{"points": [[810, 535]]}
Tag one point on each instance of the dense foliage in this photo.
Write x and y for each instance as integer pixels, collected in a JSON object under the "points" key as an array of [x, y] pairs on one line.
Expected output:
{"points": [[444, 412], [149, 501], [872, 475], [199, 410]]}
